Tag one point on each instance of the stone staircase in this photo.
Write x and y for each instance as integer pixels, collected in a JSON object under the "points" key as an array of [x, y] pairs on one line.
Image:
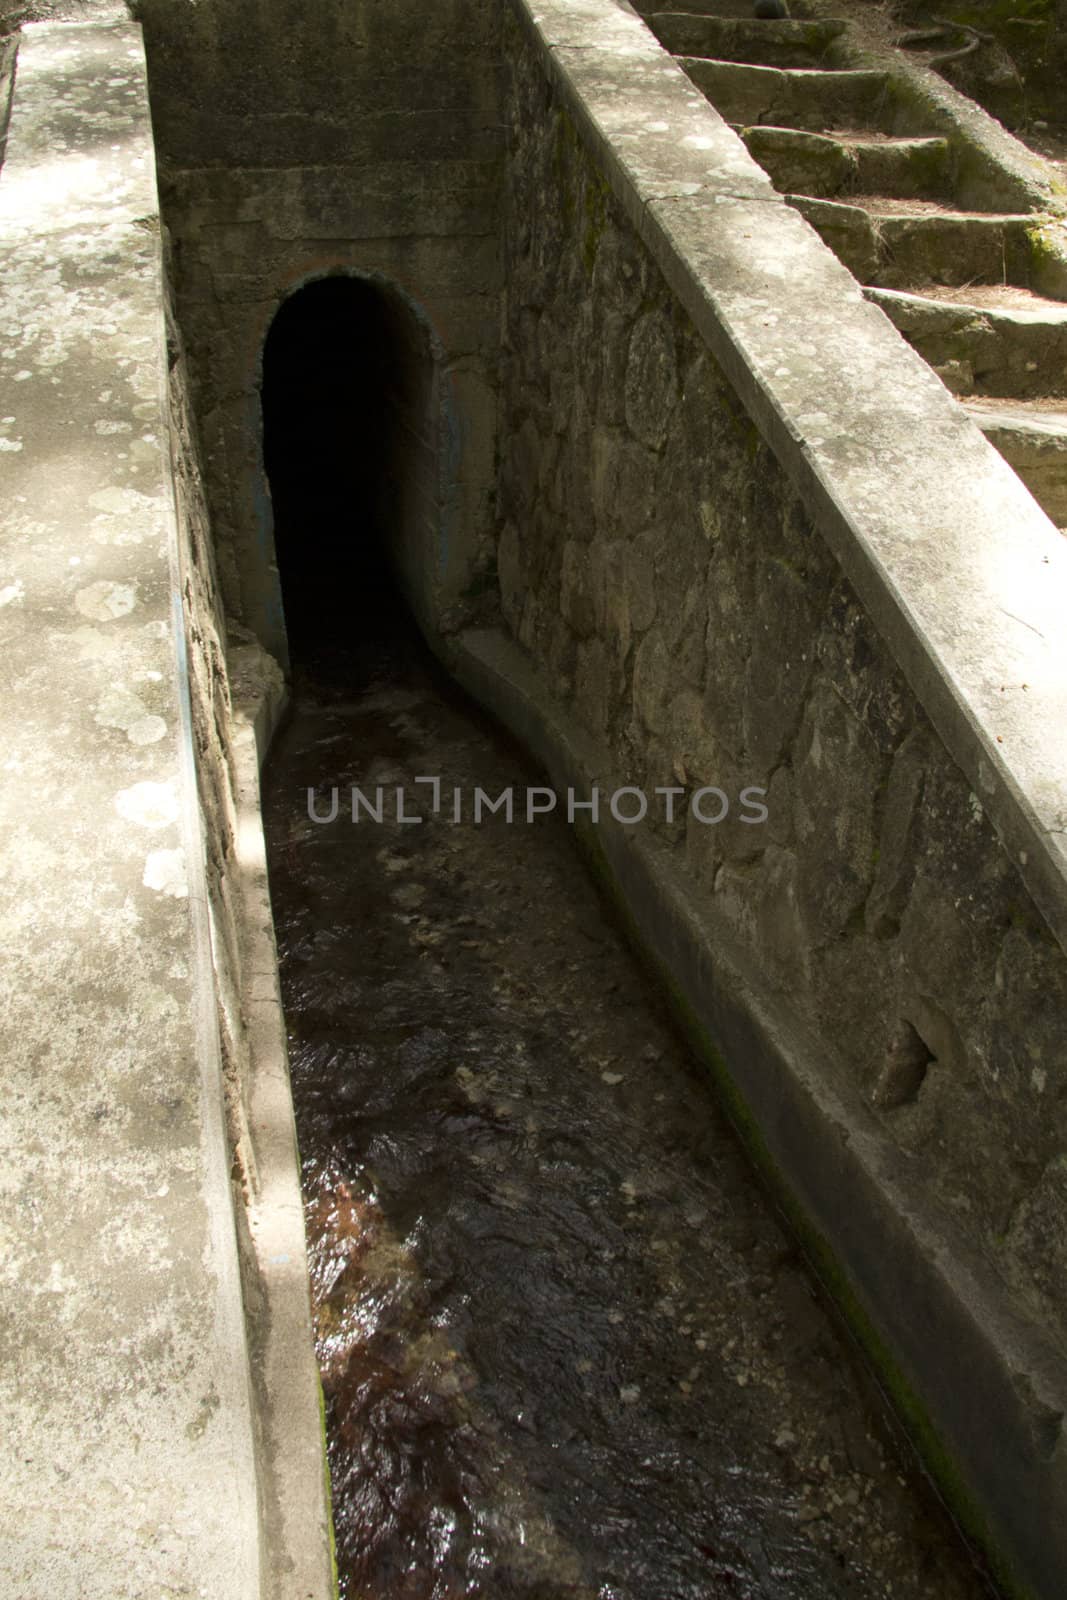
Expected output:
{"points": [[937, 216]]}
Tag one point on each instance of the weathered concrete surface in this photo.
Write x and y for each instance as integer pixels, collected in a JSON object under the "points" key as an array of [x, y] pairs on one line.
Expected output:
{"points": [[128, 1465], [723, 553]]}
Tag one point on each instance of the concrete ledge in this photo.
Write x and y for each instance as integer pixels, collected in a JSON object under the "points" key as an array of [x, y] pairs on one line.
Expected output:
{"points": [[166, 1436], [961, 571], [981, 1389], [294, 1472], [129, 1465]]}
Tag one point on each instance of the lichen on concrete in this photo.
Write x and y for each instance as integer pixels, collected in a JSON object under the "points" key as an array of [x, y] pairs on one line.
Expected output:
{"points": [[128, 1464]]}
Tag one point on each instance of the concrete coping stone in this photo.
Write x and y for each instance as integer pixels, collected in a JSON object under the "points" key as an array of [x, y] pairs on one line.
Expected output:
{"points": [[129, 1461], [963, 574]]}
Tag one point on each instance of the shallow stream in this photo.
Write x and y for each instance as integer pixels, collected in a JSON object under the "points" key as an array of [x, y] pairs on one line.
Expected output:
{"points": [[567, 1347]]}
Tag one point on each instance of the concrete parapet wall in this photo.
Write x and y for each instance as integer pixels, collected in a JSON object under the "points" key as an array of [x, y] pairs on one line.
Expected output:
{"points": [[160, 1402], [749, 539], [129, 1464]]}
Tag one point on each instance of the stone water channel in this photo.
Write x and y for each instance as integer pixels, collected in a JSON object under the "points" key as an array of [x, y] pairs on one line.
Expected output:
{"points": [[567, 1346]]}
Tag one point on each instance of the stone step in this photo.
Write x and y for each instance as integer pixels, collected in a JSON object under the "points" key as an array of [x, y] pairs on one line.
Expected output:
{"points": [[775, 44], [979, 347], [826, 166], [1033, 440], [798, 98], [906, 249], [741, 9]]}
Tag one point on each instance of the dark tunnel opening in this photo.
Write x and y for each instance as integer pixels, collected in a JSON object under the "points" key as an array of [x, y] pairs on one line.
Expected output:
{"points": [[349, 455]]}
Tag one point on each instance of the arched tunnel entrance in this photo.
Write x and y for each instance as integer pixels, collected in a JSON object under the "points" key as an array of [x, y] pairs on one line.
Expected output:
{"points": [[350, 456]]}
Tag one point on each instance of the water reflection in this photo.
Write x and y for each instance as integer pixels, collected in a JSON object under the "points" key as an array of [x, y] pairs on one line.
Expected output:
{"points": [[566, 1348]]}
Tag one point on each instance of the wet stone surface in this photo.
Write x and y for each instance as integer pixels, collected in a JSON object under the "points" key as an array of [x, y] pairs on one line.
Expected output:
{"points": [[567, 1348]]}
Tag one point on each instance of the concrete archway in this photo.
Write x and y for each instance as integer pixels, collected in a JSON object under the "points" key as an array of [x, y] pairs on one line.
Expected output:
{"points": [[355, 453]]}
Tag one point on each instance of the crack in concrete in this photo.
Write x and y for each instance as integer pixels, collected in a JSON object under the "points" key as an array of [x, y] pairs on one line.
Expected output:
{"points": [[1021, 621]]}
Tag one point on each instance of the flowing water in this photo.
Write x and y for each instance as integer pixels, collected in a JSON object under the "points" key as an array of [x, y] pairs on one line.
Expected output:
{"points": [[567, 1347]]}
